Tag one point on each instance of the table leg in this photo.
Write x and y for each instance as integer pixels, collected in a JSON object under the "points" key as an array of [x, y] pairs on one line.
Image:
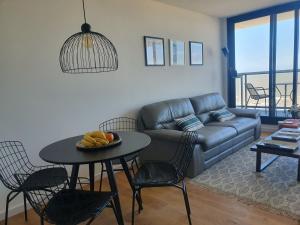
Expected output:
{"points": [[74, 176], [298, 178], [258, 161], [92, 176], [261, 166], [114, 189], [129, 178]]}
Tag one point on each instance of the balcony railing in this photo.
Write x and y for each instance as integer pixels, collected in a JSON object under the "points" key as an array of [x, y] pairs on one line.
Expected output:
{"points": [[283, 94]]}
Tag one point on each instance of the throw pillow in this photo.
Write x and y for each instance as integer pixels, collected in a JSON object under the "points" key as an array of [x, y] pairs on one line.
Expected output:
{"points": [[222, 115], [189, 123]]}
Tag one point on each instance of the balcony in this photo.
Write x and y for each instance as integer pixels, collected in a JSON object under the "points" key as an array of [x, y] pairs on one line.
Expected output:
{"points": [[245, 97]]}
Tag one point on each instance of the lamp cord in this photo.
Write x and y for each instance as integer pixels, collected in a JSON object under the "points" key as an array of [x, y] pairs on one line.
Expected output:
{"points": [[83, 7]]}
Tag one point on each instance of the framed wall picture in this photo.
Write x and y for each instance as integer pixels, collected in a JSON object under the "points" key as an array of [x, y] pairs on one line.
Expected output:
{"points": [[196, 53], [154, 51], [177, 53]]}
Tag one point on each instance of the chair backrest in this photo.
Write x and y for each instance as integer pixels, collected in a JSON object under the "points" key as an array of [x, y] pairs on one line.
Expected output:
{"points": [[119, 124], [252, 90], [184, 153], [13, 161]]}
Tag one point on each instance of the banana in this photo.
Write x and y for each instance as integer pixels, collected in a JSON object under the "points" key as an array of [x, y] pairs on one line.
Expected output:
{"points": [[99, 144], [102, 141], [98, 134], [89, 139], [94, 139], [86, 143]]}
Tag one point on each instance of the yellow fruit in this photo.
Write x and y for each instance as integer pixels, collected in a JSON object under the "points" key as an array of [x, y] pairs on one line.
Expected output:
{"points": [[89, 139], [98, 134], [98, 144], [86, 144], [102, 141]]}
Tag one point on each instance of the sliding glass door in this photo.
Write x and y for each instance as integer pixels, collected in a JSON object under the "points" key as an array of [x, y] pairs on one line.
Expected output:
{"points": [[252, 40], [285, 28], [263, 61]]}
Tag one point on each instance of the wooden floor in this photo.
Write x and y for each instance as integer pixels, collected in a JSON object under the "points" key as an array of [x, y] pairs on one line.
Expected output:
{"points": [[164, 206]]}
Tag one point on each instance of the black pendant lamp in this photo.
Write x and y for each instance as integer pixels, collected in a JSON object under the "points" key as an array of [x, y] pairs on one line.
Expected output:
{"points": [[88, 52]]}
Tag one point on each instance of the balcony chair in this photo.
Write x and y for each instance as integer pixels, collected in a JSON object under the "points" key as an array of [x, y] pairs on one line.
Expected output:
{"points": [[256, 93]]}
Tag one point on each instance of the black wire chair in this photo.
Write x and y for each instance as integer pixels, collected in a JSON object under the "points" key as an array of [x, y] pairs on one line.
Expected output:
{"points": [[162, 173], [119, 124], [62, 206], [19, 175]]}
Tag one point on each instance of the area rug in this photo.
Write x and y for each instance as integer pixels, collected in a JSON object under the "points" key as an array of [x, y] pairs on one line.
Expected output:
{"points": [[275, 189]]}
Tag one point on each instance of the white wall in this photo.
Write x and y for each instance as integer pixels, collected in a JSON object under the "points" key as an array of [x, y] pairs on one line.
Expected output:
{"points": [[224, 59], [40, 104]]}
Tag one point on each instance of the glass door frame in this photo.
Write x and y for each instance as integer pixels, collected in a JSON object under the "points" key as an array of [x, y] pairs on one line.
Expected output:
{"points": [[272, 12]]}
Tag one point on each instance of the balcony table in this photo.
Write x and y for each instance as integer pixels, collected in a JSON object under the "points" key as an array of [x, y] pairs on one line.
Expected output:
{"points": [[285, 85], [64, 152]]}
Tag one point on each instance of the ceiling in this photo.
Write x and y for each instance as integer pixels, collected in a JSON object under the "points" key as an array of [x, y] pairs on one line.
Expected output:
{"points": [[224, 8]]}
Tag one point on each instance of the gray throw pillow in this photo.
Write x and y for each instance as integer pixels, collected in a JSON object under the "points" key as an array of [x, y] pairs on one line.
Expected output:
{"points": [[222, 115]]}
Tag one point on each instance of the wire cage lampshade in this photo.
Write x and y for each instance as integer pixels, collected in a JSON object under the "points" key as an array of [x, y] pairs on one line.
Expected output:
{"points": [[88, 52]]}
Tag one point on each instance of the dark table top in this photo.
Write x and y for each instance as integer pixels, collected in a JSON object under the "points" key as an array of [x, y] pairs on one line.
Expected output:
{"points": [[65, 151], [275, 151]]}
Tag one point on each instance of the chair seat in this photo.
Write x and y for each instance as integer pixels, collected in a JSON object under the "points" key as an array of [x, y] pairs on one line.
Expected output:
{"points": [[156, 174], [48, 177], [258, 97], [263, 96], [69, 207]]}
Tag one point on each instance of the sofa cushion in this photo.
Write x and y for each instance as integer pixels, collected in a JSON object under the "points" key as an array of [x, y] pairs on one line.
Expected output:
{"points": [[170, 126], [180, 107], [207, 103], [241, 124], [205, 118], [156, 114], [215, 135], [203, 104]]}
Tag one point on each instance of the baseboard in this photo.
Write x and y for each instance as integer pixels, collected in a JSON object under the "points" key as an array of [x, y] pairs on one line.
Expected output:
{"points": [[19, 208], [14, 210]]}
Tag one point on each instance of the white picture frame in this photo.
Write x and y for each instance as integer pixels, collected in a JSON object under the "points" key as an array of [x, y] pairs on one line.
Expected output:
{"points": [[176, 52]]}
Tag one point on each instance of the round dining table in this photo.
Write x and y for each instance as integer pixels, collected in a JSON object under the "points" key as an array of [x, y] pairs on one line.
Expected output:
{"points": [[65, 152]]}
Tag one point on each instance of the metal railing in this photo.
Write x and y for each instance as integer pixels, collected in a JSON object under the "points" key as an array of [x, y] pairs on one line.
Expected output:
{"points": [[282, 94]]}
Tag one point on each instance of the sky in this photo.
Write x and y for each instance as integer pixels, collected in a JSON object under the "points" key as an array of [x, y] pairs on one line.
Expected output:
{"points": [[252, 47]]}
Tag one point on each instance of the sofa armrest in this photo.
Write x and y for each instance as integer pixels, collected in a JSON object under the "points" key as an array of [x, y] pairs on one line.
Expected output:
{"points": [[170, 135], [251, 113]]}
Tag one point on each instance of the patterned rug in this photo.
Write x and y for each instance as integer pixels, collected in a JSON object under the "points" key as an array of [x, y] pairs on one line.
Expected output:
{"points": [[276, 188]]}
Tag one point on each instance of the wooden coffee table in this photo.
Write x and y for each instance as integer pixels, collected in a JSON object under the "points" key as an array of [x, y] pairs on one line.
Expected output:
{"points": [[277, 152]]}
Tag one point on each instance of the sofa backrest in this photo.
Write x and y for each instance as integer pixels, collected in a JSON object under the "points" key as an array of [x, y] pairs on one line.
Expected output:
{"points": [[162, 114], [203, 104]]}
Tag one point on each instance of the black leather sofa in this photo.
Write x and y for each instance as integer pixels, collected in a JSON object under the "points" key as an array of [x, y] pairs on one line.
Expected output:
{"points": [[215, 141]]}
